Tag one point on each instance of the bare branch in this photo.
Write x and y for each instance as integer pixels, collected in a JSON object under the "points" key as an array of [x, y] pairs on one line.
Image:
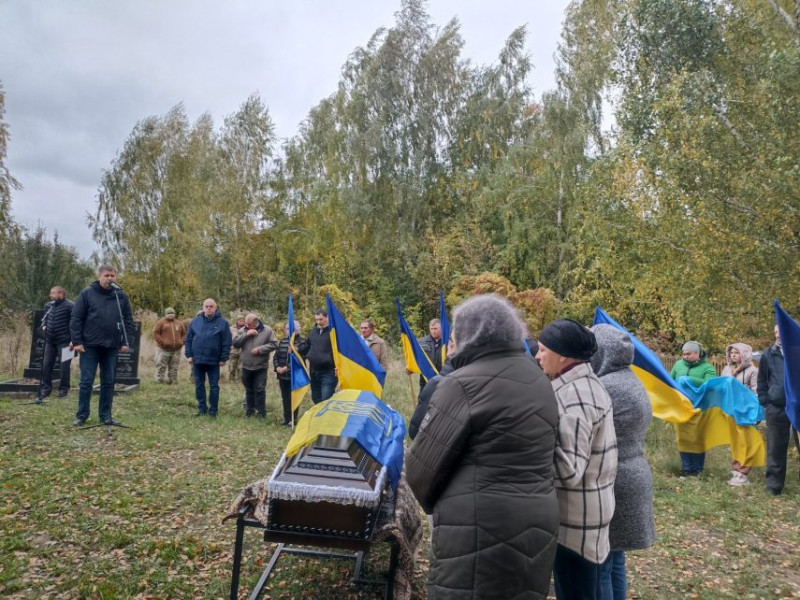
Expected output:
{"points": [[787, 18]]}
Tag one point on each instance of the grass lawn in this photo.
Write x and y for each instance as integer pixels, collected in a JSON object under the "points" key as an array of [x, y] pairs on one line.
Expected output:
{"points": [[139, 514]]}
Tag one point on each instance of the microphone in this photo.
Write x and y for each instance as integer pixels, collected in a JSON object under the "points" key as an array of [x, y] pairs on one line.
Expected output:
{"points": [[115, 285]]}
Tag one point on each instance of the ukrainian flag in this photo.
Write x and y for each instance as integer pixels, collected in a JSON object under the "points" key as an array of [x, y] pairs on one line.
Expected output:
{"points": [[728, 411], [669, 404], [378, 429], [356, 365], [790, 344], [701, 422], [416, 359], [445, 325], [298, 372]]}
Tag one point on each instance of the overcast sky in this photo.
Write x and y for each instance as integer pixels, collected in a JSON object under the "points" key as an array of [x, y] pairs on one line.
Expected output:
{"points": [[79, 74]]}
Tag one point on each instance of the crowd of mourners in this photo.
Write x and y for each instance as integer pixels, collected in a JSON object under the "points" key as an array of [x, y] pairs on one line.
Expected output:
{"points": [[533, 468], [527, 454]]}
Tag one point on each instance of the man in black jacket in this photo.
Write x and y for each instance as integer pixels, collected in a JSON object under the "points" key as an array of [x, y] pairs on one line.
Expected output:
{"points": [[282, 367], [772, 396], [101, 325], [320, 355], [432, 346], [55, 325]]}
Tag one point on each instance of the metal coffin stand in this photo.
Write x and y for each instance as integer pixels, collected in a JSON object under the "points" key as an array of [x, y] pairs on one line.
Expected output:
{"points": [[296, 524], [291, 543]]}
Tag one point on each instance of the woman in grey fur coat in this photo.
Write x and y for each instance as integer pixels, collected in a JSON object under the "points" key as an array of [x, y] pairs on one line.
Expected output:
{"points": [[632, 526]]}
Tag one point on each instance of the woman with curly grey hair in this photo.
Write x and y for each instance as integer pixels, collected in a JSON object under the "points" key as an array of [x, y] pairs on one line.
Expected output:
{"points": [[482, 462]]}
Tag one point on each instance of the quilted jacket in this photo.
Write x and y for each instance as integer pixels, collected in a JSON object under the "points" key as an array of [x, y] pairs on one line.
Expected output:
{"points": [[482, 463]]}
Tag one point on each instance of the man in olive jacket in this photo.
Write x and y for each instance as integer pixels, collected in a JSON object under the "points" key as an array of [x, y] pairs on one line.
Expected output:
{"points": [[482, 463], [168, 334]]}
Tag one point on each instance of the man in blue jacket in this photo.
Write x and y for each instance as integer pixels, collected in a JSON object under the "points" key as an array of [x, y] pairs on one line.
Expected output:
{"points": [[208, 347], [100, 325], [55, 325]]}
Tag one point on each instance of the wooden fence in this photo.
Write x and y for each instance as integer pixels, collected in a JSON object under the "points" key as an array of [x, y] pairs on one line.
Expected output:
{"points": [[669, 362]]}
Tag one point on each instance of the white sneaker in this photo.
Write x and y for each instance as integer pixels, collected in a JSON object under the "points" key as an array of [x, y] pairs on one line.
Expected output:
{"points": [[738, 479]]}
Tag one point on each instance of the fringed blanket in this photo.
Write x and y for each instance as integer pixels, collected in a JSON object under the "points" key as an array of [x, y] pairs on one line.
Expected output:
{"points": [[404, 526]]}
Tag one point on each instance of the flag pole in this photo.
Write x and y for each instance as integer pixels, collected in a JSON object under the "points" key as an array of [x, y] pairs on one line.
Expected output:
{"points": [[411, 390]]}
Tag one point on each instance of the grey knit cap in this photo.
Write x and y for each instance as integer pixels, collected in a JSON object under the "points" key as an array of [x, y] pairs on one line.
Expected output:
{"points": [[692, 346], [486, 319]]}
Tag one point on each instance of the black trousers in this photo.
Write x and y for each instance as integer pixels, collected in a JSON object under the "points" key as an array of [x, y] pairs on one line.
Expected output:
{"points": [[51, 358], [255, 387], [778, 431], [286, 398]]}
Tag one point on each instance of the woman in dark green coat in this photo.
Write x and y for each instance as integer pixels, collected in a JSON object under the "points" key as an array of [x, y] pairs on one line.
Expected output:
{"points": [[482, 463]]}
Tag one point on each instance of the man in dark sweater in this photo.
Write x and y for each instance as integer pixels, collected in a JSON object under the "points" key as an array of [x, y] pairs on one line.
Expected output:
{"points": [[100, 327], [55, 325], [320, 356], [772, 396]]}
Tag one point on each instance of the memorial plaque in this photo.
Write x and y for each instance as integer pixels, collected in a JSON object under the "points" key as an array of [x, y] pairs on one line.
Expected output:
{"points": [[128, 363], [34, 370]]}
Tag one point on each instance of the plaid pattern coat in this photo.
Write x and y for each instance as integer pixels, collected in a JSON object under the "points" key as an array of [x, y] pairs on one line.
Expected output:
{"points": [[585, 462]]}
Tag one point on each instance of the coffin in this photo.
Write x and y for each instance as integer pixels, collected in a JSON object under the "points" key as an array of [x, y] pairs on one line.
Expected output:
{"points": [[330, 487]]}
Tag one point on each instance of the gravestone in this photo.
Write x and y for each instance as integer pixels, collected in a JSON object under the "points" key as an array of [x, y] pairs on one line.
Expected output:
{"points": [[34, 370], [127, 364]]}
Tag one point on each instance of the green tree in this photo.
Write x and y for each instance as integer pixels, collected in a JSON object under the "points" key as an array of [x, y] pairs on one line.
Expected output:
{"points": [[33, 264], [7, 181]]}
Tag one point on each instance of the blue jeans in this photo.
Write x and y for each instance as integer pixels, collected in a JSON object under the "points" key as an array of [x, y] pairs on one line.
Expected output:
{"points": [[576, 578], [106, 359], [200, 372], [323, 385], [692, 462], [612, 576]]}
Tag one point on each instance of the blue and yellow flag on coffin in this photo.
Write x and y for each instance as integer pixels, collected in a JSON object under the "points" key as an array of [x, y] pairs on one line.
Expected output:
{"points": [[298, 372], [378, 429], [356, 365], [707, 425], [669, 403], [790, 345], [445, 325], [417, 361]]}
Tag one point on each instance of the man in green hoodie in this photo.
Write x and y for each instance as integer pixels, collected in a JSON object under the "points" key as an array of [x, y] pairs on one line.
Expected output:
{"points": [[693, 365]]}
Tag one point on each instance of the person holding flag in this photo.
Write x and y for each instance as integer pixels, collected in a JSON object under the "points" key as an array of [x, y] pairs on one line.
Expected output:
{"points": [[320, 355], [739, 365], [417, 360], [434, 346], [356, 366], [693, 365], [444, 324], [281, 363], [772, 396]]}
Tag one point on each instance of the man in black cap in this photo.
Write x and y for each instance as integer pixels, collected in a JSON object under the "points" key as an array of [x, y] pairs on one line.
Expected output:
{"points": [[585, 458]]}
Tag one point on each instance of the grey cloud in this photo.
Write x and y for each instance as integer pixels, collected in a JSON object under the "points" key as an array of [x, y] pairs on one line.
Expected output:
{"points": [[79, 75]]}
